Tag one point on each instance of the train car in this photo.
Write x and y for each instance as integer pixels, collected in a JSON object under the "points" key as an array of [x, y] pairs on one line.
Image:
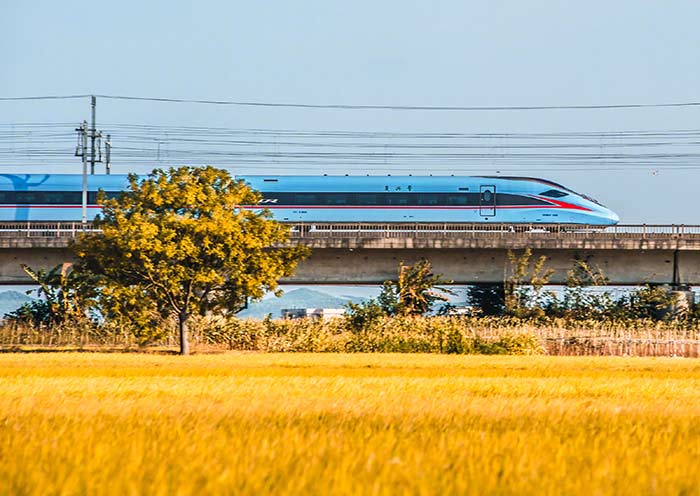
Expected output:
{"points": [[381, 199]]}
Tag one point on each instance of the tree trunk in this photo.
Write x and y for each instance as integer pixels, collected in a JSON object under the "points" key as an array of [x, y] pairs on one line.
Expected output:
{"points": [[184, 334]]}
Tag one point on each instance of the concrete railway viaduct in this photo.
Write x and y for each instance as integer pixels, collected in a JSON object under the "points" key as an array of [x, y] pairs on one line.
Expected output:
{"points": [[468, 254]]}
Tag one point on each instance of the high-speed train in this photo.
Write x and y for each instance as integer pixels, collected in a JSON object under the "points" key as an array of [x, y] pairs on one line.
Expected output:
{"points": [[385, 199]]}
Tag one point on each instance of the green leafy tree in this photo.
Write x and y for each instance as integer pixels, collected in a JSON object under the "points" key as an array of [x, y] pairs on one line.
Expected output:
{"points": [[650, 302], [181, 241], [579, 301], [132, 311], [489, 298], [415, 291], [63, 296], [524, 285], [361, 316]]}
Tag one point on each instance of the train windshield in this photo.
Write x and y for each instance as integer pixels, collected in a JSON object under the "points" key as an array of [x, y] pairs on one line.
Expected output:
{"points": [[553, 193], [557, 185], [549, 183]]}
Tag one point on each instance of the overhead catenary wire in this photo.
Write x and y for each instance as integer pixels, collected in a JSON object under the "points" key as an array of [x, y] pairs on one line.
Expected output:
{"points": [[26, 145], [342, 106], [43, 97], [143, 145], [401, 107]]}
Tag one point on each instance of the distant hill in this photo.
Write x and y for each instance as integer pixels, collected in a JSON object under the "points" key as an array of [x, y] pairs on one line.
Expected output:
{"points": [[298, 298], [11, 301]]}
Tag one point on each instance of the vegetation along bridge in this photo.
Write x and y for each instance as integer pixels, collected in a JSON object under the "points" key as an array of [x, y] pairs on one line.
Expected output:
{"points": [[465, 253]]}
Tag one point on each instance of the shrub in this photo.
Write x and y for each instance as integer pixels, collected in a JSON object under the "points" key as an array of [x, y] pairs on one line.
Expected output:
{"points": [[406, 334]]}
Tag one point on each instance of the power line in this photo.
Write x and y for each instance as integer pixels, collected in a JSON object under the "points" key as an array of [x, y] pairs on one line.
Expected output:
{"points": [[383, 134], [401, 107], [49, 97], [363, 107], [48, 144]]}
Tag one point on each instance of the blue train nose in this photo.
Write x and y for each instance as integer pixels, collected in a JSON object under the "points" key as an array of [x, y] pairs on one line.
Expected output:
{"points": [[602, 216], [609, 217]]}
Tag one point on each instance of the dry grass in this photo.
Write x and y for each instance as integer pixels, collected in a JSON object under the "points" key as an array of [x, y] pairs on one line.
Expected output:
{"points": [[347, 424], [462, 335]]}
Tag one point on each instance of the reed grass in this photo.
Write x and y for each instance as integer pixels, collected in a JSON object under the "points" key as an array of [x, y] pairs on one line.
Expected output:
{"points": [[461, 335], [251, 423]]}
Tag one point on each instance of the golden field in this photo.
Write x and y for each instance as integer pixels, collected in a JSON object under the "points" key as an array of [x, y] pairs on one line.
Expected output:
{"points": [[96, 423]]}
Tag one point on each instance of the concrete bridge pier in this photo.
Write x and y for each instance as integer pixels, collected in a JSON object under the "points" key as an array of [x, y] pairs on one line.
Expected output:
{"points": [[11, 271]]}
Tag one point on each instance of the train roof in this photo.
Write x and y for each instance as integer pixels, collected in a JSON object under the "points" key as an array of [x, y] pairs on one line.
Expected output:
{"points": [[418, 183], [72, 182]]}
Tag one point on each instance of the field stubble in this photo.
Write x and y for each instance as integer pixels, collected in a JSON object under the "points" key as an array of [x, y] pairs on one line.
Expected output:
{"points": [[347, 424]]}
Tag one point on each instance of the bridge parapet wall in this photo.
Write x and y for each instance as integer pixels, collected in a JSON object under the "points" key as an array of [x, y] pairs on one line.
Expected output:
{"points": [[419, 236]]}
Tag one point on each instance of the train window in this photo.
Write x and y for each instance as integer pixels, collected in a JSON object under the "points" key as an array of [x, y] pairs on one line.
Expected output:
{"points": [[92, 196], [510, 199], [306, 199], [553, 193], [271, 198], [336, 199], [457, 200], [397, 199], [428, 199], [367, 199], [58, 197], [27, 197], [49, 197]]}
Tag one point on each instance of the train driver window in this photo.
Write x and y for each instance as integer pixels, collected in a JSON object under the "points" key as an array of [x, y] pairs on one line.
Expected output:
{"points": [[553, 193]]}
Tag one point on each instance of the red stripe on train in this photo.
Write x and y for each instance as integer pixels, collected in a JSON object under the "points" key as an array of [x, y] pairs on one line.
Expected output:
{"points": [[556, 204], [405, 207], [49, 206]]}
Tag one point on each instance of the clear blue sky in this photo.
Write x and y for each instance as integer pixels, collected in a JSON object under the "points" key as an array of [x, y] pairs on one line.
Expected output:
{"points": [[451, 53]]}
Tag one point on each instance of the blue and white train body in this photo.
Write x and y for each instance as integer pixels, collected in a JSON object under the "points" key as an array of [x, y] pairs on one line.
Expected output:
{"points": [[381, 199]]}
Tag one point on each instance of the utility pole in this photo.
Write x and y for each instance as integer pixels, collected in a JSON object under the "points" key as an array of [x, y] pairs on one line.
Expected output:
{"points": [[92, 135], [95, 137], [81, 151], [108, 154]]}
